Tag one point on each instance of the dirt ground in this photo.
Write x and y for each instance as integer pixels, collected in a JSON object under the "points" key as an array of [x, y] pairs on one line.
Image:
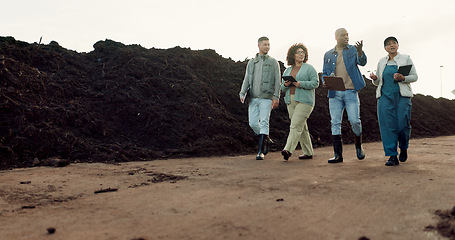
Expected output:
{"points": [[235, 197]]}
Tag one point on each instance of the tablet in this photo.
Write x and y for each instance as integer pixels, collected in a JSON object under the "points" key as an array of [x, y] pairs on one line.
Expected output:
{"points": [[334, 83], [404, 70], [289, 78]]}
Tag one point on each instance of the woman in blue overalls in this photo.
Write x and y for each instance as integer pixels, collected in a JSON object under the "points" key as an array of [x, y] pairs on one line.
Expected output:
{"points": [[394, 95]]}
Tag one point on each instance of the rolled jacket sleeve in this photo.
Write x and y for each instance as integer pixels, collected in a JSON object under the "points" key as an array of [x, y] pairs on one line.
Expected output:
{"points": [[362, 60], [276, 94], [246, 81]]}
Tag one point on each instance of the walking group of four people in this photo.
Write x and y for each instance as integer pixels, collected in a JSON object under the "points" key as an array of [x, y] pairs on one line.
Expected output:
{"points": [[262, 86]]}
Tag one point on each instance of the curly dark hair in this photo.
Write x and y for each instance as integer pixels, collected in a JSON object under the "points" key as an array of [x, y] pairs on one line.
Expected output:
{"points": [[291, 53]]}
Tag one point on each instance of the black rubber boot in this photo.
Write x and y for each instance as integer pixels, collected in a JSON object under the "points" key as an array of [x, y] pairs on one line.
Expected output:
{"points": [[267, 142], [358, 147], [337, 149], [260, 155]]}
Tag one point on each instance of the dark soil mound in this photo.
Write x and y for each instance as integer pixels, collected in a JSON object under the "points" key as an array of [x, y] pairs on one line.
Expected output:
{"points": [[127, 103]]}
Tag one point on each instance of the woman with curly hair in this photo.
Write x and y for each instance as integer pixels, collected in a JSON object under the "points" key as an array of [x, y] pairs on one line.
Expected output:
{"points": [[300, 99]]}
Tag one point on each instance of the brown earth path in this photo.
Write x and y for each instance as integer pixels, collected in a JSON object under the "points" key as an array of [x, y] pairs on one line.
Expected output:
{"points": [[235, 197]]}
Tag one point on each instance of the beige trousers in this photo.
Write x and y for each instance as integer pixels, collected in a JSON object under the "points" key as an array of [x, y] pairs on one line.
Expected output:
{"points": [[298, 131]]}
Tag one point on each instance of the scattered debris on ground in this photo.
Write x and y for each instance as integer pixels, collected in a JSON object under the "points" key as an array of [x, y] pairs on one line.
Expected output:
{"points": [[446, 224]]}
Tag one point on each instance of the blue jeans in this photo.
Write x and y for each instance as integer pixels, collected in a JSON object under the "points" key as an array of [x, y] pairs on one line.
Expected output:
{"points": [[348, 100], [259, 115]]}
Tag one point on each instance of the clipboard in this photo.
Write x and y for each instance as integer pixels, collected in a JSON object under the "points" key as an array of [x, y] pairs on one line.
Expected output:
{"points": [[335, 83], [404, 70], [289, 78]]}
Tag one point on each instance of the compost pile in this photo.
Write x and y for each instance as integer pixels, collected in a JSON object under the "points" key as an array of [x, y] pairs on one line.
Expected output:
{"points": [[128, 103]]}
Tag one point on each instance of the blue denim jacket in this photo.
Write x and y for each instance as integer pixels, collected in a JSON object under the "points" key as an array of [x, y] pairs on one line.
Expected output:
{"points": [[351, 60]]}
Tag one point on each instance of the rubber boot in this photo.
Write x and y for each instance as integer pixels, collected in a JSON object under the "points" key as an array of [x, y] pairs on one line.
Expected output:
{"points": [[358, 147], [260, 155], [337, 149], [266, 144]]}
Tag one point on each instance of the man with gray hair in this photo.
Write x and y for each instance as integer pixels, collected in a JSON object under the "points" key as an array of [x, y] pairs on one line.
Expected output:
{"points": [[261, 86]]}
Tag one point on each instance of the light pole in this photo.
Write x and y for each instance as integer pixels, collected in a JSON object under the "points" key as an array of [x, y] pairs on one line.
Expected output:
{"points": [[440, 67]]}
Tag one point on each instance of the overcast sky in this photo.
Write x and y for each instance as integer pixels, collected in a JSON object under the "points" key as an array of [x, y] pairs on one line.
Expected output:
{"points": [[425, 30]]}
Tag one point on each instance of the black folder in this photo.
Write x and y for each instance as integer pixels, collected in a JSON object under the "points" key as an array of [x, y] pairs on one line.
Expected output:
{"points": [[404, 70]]}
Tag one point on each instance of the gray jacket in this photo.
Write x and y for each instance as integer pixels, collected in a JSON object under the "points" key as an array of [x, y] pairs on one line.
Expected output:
{"points": [[271, 78]]}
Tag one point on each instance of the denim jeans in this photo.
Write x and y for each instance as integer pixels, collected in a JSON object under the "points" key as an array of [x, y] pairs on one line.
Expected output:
{"points": [[259, 115], [348, 100]]}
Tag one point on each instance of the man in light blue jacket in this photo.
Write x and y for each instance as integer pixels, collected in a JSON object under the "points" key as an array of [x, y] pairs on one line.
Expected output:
{"points": [[342, 61], [261, 86]]}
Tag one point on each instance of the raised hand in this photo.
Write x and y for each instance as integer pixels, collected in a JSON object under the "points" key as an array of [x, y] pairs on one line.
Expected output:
{"points": [[359, 46]]}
